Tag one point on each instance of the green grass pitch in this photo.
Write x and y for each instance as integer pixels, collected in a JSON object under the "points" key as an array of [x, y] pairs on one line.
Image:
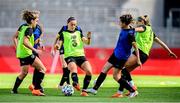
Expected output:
{"points": [[150, 88]]}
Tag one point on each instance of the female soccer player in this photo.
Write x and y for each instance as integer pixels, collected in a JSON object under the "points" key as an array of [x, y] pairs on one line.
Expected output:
{"points": [[24, 52], [38, 33], [119, 57], [144, 38], [73, 41]]}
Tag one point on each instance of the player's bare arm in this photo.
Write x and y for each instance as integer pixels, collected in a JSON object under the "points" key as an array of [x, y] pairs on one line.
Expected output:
{"points": [[87, 40], [160, 42]]}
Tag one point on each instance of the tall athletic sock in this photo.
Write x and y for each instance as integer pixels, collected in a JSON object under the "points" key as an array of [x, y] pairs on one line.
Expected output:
{"points": [[65, 77], [121, 88], [126, 75], [17, 84], [99, 81], [35, 74], [39, 79], [68, 76], [74, 78], [87, 80], [124, 84]]}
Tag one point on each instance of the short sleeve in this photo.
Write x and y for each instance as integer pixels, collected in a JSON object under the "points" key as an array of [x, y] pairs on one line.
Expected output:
{"points": [[40, 29], [28, 32], [131, 36], [61, 37]]}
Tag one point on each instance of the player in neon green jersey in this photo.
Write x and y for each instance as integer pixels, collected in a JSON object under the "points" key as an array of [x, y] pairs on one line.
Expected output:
{"points": [[144, 38], [24, 52], [73, 41]]}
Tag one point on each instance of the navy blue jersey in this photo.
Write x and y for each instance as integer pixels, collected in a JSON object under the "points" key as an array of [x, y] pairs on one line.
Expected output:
{"points": [[37, 33], [124, 44]]}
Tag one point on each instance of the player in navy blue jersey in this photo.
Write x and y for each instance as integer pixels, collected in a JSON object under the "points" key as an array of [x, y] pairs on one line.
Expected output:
{"points": [[119, 57]]}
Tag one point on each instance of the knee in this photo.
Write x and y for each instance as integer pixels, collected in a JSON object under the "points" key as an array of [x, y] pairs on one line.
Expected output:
{"points": [[115, 77], [88, 72], [104, 71], [23, 75], [43, 70]]}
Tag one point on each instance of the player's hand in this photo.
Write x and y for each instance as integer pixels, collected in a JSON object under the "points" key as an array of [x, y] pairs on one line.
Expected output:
{"points": [[171, 54], [38, 51], [89, 35], [41, 48], [56, 47], [37, 41]]}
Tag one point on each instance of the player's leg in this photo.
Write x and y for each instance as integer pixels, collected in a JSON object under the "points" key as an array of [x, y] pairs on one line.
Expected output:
{"points": [[88, 70], [117, 76], [20, 77], [130, 65], [73, 68], [123, 83], [35, 78], [104, 72], [66, 72], [100, 79], [102, 75], [37, 64]]}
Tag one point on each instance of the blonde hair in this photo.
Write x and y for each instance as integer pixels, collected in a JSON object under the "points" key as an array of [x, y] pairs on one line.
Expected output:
{"points": [[145, 18]]}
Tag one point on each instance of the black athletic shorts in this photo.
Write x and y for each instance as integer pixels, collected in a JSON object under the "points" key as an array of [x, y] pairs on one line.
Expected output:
{"points": [[143, 56], [78, 60], [28, 60], [117, 63], [36, 54]]}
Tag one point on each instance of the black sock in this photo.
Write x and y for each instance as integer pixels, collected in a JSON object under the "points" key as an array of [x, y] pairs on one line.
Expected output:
{"points": [[40, 77], [87, 80], [17, 84], [35, 74], [99, 81], [126, 75], [121, 88], [74, 78], [124, 84], [65, 76]]}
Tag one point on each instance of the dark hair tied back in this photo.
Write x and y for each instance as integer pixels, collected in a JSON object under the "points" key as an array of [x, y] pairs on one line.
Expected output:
{"points": [[70, 19], [127, 19]]}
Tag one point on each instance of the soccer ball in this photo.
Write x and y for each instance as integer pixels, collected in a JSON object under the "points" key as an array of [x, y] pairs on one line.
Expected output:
{"points": [[68, 90]]}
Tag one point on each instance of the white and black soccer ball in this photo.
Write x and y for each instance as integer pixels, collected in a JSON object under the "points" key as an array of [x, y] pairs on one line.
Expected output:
{"points": [[68, 90]]}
